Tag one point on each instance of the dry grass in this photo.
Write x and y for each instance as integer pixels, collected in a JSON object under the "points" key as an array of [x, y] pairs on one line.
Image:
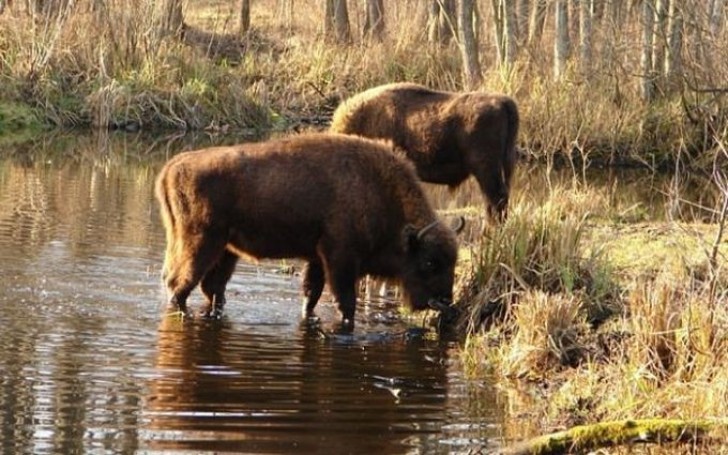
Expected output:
{"points": [[634, 328]]}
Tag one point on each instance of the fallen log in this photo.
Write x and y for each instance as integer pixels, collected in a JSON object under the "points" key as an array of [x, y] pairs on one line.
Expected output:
{"points": [[584, 438]]}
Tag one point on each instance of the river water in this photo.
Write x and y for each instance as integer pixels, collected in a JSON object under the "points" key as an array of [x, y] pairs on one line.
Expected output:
{"points": [[91, 363]]}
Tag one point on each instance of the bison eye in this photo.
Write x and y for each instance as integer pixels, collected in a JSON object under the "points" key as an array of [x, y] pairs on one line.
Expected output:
{"points": [[429, 266]]}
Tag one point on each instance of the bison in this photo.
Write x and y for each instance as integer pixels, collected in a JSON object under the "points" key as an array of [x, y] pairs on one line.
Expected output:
{"points": [[348, 206], [448, 136]]}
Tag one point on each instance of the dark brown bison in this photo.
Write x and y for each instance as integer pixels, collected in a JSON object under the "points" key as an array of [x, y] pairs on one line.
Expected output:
{"points": [[346, 205], [448, 136]]}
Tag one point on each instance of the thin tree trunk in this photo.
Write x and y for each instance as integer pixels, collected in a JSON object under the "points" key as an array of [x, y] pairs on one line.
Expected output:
{"points": [[172, 18], [716, 16], [329, 18], [510, 32], [244, 17], [522, 13], [586, 11], [374, 23], [341, 21], [442, 21], [660, 39], [537, 22], [648, 22], [285, 10], [469, 47], [561, 43], [673, 62]]}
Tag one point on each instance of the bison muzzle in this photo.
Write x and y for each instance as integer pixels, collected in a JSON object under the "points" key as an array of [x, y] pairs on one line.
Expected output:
{"points": [[348, 206], [448, 136]]}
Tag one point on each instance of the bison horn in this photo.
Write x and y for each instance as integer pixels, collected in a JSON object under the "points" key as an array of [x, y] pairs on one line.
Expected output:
{"points": [[424, 230], [460, 225]]}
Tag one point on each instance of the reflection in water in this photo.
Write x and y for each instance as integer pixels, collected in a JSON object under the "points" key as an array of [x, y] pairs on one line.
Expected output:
{"points": [[258, 391], [87, 367]]}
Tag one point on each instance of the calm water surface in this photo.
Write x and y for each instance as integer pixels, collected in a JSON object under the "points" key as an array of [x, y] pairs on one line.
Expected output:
{"points": [[89, 362]]}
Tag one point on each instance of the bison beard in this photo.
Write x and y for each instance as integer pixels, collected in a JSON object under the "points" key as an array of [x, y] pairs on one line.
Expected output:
{"points": [[346, 205], [448, 136]]}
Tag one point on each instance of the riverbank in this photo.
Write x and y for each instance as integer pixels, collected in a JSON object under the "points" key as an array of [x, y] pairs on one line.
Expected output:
{"points": [[585, 315]]}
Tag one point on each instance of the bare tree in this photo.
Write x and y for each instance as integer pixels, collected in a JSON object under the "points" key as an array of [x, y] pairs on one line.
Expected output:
{"points": [[510, 32], [522, 13], [673, 62], [468, 45], [244, 16], [537, 22], [336, 20], [561, 43], [648, 20], [717, 11], [172, 18], [660, 39], [374, 22], [285, 10], [341, 21], [441, 26], [506, 29], [586, 12]]}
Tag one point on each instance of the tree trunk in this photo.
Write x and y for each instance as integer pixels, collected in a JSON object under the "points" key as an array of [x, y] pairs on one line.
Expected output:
{"points": [[244, 17], [716, 16], [341, 21], [648, 22], [660, 39], [561, 44], [498, 26], [172, 22], [510, 32], [328, 18], [522, 13], [285, 10], [673, 62], [374, 22], [469, 46], [586, 12], [537, 22], [441, 28]]}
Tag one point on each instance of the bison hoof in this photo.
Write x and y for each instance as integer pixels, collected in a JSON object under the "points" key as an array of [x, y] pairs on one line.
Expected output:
{"points": [[212, 313]]}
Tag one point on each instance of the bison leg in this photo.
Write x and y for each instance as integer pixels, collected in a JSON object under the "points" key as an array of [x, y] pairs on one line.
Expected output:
{"points": [[214, 282], [495, 187], [313, 286], [189, 262], [342, 275]]}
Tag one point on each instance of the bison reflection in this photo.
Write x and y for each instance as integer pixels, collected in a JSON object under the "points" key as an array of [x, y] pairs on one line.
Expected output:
{"points": [[448, 136], [218, 387], [346, 205]]}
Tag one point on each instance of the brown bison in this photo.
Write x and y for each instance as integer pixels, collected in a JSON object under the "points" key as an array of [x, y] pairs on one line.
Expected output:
{"points": [[448, 136], [346, 205]]}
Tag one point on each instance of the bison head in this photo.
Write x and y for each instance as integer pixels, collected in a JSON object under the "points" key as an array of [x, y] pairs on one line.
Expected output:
{"points": [[429, 266]]}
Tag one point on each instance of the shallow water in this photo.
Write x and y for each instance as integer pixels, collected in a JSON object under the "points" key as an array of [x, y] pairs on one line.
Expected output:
{"points": [[90, 363]]}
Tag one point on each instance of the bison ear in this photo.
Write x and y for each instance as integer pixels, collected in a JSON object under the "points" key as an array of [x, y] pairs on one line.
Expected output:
{"points": [[459, 225], [410, 238]]}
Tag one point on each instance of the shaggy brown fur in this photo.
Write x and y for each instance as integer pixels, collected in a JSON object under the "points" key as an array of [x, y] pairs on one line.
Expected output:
{"points": [[448, 136], [347, 205]]}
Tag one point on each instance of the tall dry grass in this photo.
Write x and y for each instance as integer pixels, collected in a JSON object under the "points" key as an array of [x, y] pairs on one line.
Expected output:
{"points": [[658, 346]]}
